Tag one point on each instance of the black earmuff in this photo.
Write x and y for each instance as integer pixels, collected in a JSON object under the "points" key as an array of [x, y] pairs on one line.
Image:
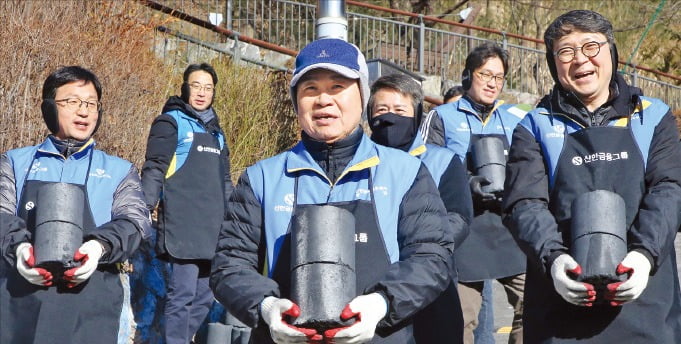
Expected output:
{"points": [[466, 79], [50, 115], [184, 92]]}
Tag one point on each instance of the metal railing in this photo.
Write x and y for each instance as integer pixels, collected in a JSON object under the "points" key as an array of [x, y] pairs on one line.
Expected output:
{"points": [[413, 46]]}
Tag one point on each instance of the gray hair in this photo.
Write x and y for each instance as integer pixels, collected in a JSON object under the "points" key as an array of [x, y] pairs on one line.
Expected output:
{"points": [[400, 83]]}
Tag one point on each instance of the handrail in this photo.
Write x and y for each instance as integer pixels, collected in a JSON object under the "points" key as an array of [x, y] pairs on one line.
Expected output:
{"points": [[443, 21], [499, 32], [218, 29], [218, 49]]}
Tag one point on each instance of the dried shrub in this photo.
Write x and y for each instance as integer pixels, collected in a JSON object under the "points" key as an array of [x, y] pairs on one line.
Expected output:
{"points": [[105, 37], [255, 113], [114, 39]]}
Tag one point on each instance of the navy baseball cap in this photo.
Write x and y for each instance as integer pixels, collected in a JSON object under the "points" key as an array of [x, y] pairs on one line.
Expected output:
{"points": [[337, 56]]}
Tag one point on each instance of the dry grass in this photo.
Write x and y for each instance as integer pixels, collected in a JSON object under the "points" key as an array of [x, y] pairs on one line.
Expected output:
{"points": [[112, 38], [255, 113]]}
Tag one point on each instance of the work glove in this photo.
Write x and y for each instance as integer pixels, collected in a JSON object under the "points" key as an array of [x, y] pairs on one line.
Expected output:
{"points": [[574, 292], [273, 310], [369, 310], [476, 183], [88, 254], [637, 266], [25, 266]]}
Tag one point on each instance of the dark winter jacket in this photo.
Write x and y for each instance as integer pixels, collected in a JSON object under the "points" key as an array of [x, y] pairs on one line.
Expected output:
{"points": [[527, 199], [162, 145], [417, 236]]}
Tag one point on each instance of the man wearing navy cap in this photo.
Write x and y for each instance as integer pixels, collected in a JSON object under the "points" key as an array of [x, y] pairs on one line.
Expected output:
{"points": [[403, 241]]}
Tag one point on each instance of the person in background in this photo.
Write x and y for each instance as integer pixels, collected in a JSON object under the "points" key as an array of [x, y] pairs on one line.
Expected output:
{"points": [[87, 303], [186, 172], [453, 94], [489, 252], [593, 132], [404, 241], [484, 331], [394, 113]]}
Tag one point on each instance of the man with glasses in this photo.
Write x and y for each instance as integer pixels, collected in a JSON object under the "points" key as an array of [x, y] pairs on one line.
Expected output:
{"points": [[86, 302], [187, 173], [594, 132], [467, 125]]}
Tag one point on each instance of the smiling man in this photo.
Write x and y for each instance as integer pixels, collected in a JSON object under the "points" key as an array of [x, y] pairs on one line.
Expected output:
{"points": [[404, 242], [489, 251], [186, 172], [84, 304], [594, 132]]}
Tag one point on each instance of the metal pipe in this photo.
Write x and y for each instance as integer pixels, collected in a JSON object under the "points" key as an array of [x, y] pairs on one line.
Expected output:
{"points": [[422, 42], [331, 20], [228, 15]]}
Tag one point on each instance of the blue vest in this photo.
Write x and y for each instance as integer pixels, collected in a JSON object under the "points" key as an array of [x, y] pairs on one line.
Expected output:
{"points": [[106, 172], [550, 130], [436, 158], [460, 121], [186, 127], [273, 183]]}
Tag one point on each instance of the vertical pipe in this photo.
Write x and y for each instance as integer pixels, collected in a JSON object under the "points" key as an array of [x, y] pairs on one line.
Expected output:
{"points": [[228, 15], [331, 20], [634, 76], [422, 40]]}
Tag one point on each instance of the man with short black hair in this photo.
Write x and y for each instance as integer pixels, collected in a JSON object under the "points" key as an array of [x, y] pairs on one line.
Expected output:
{"points": [[187, 174], [479, 118], [82, 305], [594, 134]]}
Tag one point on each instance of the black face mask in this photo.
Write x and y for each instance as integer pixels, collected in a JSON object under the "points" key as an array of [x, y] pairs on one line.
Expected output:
{"points": [[393, 130]]}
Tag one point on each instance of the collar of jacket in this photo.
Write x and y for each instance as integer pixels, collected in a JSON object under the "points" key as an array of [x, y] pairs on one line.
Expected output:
{"points": [[48, 148], [366, 156], [623, 101], [176, 103], [418, 146], [464, 105]]}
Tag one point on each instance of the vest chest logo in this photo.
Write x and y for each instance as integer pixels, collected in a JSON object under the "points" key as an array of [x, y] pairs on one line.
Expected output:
{"points": [[288, 204], [558, 132], [100, 173], [35, 168], [29, 205], [463, 126], [378, 189], [189, 137], [361, 237], [208, 149], [600, 156]]}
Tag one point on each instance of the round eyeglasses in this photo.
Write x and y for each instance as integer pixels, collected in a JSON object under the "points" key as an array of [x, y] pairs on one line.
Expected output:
{"points": [[590, 49]]}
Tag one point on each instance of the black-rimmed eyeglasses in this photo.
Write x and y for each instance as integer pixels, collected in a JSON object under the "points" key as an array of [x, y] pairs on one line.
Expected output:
{"points": [[590, 49]]}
